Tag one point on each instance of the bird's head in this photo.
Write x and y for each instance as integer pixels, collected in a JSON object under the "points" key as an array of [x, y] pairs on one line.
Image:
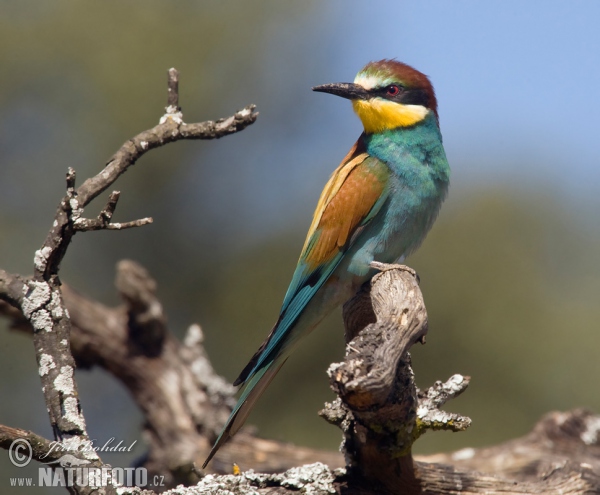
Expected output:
{"points": [[387, 94]]}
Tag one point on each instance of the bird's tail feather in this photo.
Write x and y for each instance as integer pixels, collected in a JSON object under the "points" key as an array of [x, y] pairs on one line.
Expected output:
{"points": [[249, 368], [254, 389]]}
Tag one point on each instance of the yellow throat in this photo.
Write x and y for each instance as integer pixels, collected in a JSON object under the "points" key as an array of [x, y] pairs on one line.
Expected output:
{"points": [[378, 115]]}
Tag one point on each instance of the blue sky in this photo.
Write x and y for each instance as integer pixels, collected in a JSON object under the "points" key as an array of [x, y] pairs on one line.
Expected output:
{"points": [[516, 81]]}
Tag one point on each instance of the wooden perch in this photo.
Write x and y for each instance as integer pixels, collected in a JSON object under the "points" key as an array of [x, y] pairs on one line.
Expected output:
{"points": [[379, 409]]}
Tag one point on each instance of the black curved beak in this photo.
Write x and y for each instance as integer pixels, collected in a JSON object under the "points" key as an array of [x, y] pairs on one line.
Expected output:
{"points": [[350, 91]]}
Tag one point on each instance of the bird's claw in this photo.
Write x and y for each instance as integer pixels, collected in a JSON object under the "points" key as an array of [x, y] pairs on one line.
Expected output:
{"points": [[384, 267]]}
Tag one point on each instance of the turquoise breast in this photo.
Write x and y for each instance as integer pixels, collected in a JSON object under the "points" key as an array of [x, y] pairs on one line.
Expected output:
{"points": [[417, 185]]}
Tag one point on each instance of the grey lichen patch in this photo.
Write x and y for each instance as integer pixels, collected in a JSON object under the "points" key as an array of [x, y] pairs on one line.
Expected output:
{"points": [[440, 393], [312, 479], [429, 414], [455, 384], [434, 416], [336, 414], [64, 381], [216, 385], [37, 295], [46, 364], [40, 260], [591, 434], [333, 371], [126, 490], [194, 336], [218, 389], [72, 413], [56, 306], [226, 123], [76, 210], [82, 446], [41, 320], [172, 114], [41, 305]]}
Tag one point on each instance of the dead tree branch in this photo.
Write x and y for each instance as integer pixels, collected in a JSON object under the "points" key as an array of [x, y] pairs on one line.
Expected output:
{"points": [[103, 222], [183, 400], [41, 448], [379, 408], [40, 298], [561, 455]]}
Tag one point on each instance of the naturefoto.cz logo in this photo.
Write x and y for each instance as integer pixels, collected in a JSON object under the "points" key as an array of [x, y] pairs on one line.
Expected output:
{"points": [[69, 470]]}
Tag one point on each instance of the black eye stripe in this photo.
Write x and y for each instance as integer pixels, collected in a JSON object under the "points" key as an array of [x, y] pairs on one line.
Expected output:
{"points": [[405, 95], [384, 92], [416, 97]]}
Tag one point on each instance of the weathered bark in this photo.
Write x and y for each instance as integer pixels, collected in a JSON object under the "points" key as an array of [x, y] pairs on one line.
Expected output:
{"points": [[558, 442], [379, 409]]}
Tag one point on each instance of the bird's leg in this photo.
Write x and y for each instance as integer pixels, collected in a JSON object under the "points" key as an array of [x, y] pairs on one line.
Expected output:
{"points": [[384, 267]]}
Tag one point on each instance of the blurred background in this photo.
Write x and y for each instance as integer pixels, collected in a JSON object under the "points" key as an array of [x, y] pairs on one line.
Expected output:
{"points": [[510, 271]]}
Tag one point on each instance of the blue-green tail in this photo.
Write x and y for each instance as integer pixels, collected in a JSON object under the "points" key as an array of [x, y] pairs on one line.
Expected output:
{"points": [[254, 389]]}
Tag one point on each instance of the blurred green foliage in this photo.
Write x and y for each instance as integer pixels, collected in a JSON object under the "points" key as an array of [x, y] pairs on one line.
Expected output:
{"points": [[510, 277]]}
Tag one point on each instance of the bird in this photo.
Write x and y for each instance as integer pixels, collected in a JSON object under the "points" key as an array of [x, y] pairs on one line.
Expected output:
{"points": [[376, 208]]}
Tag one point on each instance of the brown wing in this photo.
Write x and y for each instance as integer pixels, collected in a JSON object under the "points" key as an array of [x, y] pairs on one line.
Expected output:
{"points": [[347, 200]]}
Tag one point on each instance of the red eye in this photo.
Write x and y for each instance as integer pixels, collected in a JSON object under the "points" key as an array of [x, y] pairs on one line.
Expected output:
{"points": [[393, 90]]}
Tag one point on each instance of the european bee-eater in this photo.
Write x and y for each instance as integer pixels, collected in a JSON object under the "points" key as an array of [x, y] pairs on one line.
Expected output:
{"points": [[377, 206]]}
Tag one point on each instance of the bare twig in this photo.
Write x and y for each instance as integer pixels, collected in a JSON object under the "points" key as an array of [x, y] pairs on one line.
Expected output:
{"points": [[85, 225], [167, 132], [41, 449], [173, 91], [40, 297], [12, 288], [103, 222], [429, 414]]}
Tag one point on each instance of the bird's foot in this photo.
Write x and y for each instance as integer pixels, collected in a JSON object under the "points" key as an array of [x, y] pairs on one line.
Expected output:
{"points": [[384, 267]]}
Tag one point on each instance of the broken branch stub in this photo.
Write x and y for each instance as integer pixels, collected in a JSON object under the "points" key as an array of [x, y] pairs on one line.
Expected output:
{"points": [[379, 404]]}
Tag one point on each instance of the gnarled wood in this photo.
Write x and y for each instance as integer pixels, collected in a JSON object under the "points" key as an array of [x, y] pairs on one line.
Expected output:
{"points": [[378, 400]]}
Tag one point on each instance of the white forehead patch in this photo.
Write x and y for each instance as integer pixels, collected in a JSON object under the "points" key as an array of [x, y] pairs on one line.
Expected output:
{"points": [[367, 82]]}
